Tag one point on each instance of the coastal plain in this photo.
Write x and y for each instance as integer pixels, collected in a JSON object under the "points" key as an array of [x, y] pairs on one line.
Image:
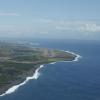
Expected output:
{"points": [[18, 61]]}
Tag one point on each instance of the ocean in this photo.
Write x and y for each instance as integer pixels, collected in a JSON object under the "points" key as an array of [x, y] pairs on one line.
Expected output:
{"points": [[65, 80]]}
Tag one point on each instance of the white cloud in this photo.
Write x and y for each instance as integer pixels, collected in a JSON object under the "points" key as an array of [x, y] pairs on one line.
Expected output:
{"points": [[90, 27], [78, 26], [8, 14], [81, 26], [67, 29], [54, 28]]}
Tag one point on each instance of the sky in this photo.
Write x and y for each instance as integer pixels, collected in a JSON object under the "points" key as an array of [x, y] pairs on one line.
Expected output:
{"points": [[68, 19]]}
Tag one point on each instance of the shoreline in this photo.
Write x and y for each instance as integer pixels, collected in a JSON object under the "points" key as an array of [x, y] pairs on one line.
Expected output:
{"points": [[77, 56], [75, 60], [36, 74]]}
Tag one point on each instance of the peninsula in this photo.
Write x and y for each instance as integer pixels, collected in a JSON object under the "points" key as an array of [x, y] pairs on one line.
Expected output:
{"points": [[18, 61]]}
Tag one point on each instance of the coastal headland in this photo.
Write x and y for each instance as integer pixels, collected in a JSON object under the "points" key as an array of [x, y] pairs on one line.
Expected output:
{"points": [[17, 62]]}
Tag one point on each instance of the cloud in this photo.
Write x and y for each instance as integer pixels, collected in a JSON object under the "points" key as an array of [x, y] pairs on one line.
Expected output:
{"points": [[67, 29], [90, 27], [53, 29], [9, 14], [81, 26]]}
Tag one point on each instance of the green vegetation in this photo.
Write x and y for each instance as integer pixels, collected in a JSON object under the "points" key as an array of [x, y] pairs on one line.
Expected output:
{"points": [[18, 61]]}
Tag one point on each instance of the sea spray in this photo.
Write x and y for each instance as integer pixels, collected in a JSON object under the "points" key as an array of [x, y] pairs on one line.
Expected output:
{"points": [[53, 63], [76, 58], [36, 74], [77, 55], [14, 88]]}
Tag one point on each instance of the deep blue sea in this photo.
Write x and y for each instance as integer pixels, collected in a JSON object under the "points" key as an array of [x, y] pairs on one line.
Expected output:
{"points": [[65, 80]]}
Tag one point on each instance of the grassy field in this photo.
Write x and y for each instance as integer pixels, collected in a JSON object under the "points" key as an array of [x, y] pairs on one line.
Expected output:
{"points": [[18, 61]]}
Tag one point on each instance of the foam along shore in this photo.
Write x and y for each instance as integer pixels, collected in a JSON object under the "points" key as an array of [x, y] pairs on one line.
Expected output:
{"points": [[36, 75], [76, 58], [77, 55], [14, 88]]}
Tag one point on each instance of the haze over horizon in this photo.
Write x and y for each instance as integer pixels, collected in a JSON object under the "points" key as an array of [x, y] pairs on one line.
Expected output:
{"points": [[65, 19]]}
